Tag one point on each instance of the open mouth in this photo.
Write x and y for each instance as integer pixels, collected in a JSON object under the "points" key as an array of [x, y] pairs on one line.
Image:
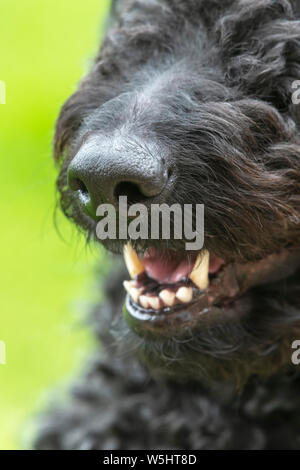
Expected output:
{"points": [[164, 284]]}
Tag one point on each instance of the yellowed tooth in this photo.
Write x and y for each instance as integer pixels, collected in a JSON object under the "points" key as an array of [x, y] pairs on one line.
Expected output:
{"points": [[184, 294], [154, 302], [168, 297], [144, 301], [199, 275], [127, 286], [132, 290], [133, 262], [135, 294]]}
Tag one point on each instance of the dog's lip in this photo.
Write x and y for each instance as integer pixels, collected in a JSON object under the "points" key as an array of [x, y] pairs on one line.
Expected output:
{"points": [[225, 300], [149, 325]]}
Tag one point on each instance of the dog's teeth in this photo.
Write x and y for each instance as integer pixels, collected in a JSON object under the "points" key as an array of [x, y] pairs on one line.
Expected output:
{"points": [[132, 290], [135, 294], [132, 261], [184, 294], [199, 275], [127, 286], [168, 297], [154, 302], [144, 301]]}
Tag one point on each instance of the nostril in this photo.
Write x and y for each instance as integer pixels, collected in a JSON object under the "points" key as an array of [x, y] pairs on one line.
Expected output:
{"points": [[77, 184], [131, 190]]}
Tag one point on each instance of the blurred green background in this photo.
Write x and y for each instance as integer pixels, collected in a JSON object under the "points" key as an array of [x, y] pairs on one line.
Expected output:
{"points": [[46, 46]]}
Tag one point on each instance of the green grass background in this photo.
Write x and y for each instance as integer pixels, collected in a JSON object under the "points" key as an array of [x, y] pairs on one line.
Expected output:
{"points": [[46, 46]]}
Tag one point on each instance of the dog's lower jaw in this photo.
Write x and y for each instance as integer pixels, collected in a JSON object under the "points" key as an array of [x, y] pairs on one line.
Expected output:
{"points": [[222, 302], [258, 343]]}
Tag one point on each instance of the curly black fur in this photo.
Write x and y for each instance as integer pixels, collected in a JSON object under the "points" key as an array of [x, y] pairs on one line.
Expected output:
{"points": [[211, 83], [117, 405]]}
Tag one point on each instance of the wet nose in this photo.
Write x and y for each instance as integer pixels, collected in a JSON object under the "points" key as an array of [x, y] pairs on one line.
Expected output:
{"points": [[103, 170]]}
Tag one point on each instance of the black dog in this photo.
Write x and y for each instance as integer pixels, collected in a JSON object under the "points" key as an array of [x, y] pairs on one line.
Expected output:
{"points": [[188, 102]]}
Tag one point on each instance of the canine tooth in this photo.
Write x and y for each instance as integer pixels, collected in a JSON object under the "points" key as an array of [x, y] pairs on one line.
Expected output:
{"points": [[132, 261], [168, 297], [199, 275], [132, 291], [184, 294], [154, 302], [144, 301], [127, 285]]}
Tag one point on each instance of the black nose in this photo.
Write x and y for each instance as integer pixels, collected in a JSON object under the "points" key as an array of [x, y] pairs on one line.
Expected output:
{"points": [[105, 169]]}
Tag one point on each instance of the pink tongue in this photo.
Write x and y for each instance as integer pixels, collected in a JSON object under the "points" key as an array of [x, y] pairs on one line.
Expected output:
{"points": [[165, 268]]}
